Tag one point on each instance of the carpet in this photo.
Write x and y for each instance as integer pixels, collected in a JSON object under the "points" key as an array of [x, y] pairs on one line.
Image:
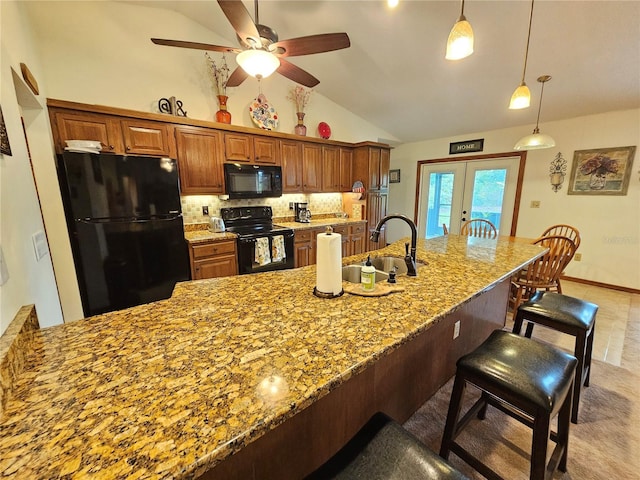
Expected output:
{"points": [[604, 445]]}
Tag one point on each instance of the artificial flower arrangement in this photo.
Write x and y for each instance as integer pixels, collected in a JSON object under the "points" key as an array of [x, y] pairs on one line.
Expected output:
{"points": [[300, 96], [219, 74]]}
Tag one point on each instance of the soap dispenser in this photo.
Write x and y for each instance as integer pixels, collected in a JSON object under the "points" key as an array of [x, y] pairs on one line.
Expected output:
{"points": [[368, 276]]}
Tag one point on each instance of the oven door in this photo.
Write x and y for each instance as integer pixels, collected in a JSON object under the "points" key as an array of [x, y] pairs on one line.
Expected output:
{"points": [[263, 253]]}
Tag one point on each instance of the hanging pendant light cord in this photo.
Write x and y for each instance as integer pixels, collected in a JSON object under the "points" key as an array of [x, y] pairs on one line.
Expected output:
{"points": [[462, 12], [256, 9], [526, 52], [543, 80]]}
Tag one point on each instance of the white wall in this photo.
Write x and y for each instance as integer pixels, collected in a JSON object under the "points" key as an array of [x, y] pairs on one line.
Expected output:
{"points": [[101, 53], [30, 281], [609, 225]]}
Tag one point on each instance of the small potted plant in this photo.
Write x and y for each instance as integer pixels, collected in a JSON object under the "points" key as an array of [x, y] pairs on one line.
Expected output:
{"points": [[300, 97], [219, 77]]}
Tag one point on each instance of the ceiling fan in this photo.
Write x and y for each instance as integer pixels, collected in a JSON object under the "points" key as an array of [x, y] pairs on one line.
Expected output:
{"points": [[261, 51]]}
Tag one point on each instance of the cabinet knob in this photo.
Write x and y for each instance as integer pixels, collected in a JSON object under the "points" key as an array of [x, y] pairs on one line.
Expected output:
{"points": [[128, 147], [111, 147]]}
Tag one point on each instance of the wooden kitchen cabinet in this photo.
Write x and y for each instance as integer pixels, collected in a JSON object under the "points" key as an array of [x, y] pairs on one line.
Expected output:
{"points": [[346, 178], [117, 135], [330, 169], [371, 167], [199, 153], [311, 168], [344, 232], [87, 126], [291, 158], [302, 248], [357, 238], [213, 259], [376, 209], [247, 148], [142, 137]]}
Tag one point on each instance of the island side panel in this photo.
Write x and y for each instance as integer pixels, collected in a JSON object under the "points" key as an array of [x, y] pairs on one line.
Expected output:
{"points": [[398, 384]]}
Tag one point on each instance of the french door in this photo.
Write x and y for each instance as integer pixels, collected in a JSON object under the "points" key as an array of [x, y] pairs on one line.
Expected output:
{"points": [[454, 192]]}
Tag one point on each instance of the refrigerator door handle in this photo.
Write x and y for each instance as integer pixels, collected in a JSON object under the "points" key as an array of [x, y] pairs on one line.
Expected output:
{"points": [[128, 220]]}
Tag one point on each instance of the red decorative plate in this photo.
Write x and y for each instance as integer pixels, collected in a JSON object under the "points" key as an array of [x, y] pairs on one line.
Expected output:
{"points": [[324, 130]]}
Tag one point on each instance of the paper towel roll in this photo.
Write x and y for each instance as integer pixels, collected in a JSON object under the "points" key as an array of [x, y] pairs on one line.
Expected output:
{"points": [[329, 263]]}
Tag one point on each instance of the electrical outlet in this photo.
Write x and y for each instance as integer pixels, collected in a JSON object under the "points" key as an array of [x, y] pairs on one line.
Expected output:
{"points": [[290, 205], [205, 210], [535, 203], [456, 329], [577, 257]]}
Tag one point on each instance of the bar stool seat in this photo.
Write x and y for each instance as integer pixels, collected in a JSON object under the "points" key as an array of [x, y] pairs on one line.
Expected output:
{"points": [[383, 450], [567, 315], [530, 381]]}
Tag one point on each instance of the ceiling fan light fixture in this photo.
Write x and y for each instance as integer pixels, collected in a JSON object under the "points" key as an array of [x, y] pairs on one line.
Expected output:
{"points": [[460, 42], [537, 140], [521, 97], [258, 63]]}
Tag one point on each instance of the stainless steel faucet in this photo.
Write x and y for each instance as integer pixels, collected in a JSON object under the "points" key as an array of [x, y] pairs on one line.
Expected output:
{"points": [[410, 258]]}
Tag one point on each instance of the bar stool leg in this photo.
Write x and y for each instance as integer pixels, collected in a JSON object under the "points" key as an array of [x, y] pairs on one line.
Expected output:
{"points": [[588, 354], [564, 424], [541, 430], [455, 405]]}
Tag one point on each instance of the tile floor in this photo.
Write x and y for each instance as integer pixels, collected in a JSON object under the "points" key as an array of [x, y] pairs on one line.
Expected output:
{"points": [[617, 337]]}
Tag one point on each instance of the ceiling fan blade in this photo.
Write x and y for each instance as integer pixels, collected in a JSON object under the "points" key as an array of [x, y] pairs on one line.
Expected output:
{"points": [[297, 74], [195, 45], [241, 21], [325, 42], [237, 77]]}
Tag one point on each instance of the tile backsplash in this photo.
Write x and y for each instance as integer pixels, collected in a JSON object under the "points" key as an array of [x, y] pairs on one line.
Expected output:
{"points": [[319, 203]]}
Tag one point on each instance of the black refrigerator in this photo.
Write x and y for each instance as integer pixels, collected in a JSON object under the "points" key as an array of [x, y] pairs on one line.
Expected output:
{"points": [[126, 229]]}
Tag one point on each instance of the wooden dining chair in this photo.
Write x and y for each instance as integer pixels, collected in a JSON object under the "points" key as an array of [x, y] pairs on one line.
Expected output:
{"points": [[564, 231], [542, 273], [445, 230], [479, 227]]}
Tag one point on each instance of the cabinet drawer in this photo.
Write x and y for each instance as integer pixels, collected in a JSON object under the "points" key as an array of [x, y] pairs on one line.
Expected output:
{"points": [[341, 229], [303, 236], [360, 228], [215, 248]]}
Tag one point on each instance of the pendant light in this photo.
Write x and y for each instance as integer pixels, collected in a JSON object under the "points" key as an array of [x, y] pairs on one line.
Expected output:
{"points": [[521, 97], [460, 42], [537, 140]]}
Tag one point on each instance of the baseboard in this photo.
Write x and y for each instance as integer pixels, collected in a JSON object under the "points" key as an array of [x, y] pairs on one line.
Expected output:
{"points": [[600, 284]]}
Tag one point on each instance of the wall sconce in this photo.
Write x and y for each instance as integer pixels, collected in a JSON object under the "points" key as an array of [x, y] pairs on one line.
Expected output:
{"points": [[557, 172]]}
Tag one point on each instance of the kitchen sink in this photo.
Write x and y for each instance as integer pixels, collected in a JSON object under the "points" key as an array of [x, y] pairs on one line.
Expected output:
{"points": [[386, 264], [351, 273], [383, 265]]}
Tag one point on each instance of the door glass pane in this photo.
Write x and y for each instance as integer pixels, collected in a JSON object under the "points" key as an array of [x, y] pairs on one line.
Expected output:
{"points": [[488, 193], [440, 201]]}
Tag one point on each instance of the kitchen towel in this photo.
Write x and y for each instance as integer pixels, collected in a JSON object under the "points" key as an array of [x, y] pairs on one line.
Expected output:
{"points": [[262, 254], [277, 249], [329, 263]]}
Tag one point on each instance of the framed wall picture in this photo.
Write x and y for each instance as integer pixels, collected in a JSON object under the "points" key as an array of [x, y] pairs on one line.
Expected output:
{"points": [[602, 171], [394, 176], [5, 148]]}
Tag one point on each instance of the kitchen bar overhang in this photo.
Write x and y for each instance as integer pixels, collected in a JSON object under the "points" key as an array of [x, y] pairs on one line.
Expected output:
{"points": [[234, 376]]}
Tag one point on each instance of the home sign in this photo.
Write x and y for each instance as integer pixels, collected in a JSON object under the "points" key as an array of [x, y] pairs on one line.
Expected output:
{"points": [[466, 146]]}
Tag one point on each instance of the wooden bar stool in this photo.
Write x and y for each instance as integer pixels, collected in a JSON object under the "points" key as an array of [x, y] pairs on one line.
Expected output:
{"points": [[528, 380], [383, 450], [567, 315]]}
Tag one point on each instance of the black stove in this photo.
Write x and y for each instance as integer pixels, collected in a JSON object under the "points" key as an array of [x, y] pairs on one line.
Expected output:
{"points": [[262, 246]]}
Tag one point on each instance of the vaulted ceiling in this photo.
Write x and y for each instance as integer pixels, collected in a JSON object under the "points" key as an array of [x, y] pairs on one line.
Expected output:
{"points": [[395, 74]]}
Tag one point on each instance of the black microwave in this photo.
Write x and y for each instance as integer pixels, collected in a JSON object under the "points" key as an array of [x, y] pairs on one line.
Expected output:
{"points": [[252, 181]]}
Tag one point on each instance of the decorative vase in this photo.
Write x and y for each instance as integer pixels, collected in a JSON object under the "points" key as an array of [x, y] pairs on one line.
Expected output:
{"points": [[222, 115], [300, 128]]}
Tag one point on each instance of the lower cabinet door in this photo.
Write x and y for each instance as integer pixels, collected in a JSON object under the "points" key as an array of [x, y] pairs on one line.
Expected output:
{"points": [[220, 266]]}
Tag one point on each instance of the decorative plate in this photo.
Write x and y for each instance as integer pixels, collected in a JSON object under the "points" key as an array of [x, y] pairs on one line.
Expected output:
{"points": [[263, 114], [324, 130]]}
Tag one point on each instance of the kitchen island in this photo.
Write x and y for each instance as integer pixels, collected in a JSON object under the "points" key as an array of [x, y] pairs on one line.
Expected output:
{"points": [[249, 376]]}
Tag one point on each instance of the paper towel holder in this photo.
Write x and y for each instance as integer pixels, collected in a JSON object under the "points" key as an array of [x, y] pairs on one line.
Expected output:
{"points": [[328, 230]]}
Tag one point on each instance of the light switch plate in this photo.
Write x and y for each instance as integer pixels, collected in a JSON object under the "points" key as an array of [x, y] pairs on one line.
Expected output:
{"points": [[40, 247], [4, 272]]}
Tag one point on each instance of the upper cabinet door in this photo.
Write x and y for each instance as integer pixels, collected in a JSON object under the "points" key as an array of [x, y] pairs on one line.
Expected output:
{"points": [[385, 163], [266, 150], [311, 168], [200, 160], [330, 169], [291, 157], [147, 138], [346, 179], [238, 147], [88, 126]]}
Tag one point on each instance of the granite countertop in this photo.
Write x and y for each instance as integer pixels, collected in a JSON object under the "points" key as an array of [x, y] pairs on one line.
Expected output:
{"points": [[169, 389]]}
